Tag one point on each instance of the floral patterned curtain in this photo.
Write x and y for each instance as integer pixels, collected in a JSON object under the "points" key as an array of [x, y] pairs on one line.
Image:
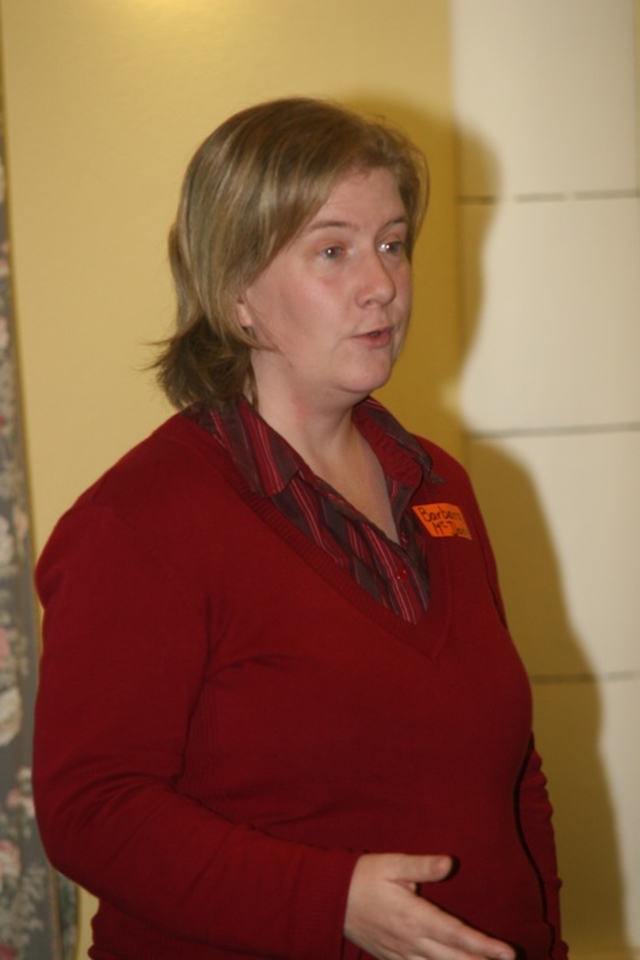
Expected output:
{"points": [[37, 906]]}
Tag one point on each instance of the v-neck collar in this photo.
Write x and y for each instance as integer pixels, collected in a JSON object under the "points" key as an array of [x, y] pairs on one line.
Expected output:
{"points": [[428, 635]]}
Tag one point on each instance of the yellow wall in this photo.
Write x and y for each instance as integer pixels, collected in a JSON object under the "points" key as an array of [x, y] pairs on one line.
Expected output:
{"points": [[105, 101]]}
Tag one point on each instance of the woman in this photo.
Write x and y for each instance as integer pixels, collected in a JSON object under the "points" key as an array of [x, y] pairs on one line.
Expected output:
{"points": [[280, 714]]}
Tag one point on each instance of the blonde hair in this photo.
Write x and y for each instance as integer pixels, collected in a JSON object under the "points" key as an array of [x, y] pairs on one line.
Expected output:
{"points": [[248, 191]]}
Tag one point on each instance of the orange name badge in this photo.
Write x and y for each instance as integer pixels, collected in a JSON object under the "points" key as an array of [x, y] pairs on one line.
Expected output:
{"points": [[442, 520]]}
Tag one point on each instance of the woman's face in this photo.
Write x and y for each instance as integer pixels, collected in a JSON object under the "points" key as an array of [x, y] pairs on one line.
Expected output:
{"points": [[333, 305]]}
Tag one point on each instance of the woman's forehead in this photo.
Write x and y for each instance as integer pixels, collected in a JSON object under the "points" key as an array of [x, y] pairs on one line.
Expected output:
{"points": [[371, 194]]}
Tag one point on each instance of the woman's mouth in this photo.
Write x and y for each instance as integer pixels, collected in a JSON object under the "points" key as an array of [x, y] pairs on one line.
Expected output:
{"points": [[379, 338]]}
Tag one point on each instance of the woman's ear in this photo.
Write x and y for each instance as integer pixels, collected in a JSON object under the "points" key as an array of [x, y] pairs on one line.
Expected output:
{"points": [[243, 315]]}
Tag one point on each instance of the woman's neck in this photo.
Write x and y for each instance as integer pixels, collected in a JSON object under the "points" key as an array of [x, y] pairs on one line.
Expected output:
{"points": [[330, 443]]}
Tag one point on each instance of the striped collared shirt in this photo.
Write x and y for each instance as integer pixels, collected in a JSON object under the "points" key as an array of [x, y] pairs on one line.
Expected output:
{"points": [[394, 574]]}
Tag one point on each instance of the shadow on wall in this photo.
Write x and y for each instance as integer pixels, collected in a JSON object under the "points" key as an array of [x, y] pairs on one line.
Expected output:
{"points": [[567, 706], [566, 696]]}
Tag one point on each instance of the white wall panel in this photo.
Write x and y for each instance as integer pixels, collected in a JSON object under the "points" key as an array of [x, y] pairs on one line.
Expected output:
{"points": [[565, 525], [552, 292], [550, 85]]}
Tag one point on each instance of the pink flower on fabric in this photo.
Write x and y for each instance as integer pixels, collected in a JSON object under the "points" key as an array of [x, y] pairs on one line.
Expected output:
{"points": [[10, 864], [18, 801]]}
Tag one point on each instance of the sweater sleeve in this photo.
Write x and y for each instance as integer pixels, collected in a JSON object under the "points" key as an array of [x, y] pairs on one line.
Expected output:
{"points": [[535, 823], [126, 647]]}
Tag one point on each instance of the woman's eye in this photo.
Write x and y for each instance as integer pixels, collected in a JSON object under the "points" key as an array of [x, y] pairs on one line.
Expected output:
{"points": [[394, 247], [332, 253]]}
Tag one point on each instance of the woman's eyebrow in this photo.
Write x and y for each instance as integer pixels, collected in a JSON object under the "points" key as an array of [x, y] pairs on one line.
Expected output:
{"points": [[324, 224]]}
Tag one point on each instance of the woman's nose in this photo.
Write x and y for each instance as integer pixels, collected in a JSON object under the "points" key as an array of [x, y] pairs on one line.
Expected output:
{"points": [[376, 281]]}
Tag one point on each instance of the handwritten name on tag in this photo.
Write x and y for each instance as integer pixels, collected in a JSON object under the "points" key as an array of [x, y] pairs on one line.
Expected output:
{"points": [[442, 520]]}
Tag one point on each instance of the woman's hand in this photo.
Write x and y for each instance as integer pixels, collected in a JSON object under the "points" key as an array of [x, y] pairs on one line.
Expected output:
{"points": [[387, 918]]}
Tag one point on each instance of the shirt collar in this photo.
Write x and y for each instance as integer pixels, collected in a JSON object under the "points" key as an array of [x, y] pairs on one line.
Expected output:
{"points": [[399, 452], [268, 462]]}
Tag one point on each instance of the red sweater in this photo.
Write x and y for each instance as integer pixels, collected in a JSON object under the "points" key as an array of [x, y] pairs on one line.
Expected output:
{"points": [[226, 720]]}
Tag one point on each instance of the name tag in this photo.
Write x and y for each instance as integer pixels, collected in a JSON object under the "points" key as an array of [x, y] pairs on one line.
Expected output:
{"points": [[442, 520]]}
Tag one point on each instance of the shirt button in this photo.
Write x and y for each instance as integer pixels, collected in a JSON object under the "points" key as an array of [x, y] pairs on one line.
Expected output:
{"points": [[401, 574]]}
